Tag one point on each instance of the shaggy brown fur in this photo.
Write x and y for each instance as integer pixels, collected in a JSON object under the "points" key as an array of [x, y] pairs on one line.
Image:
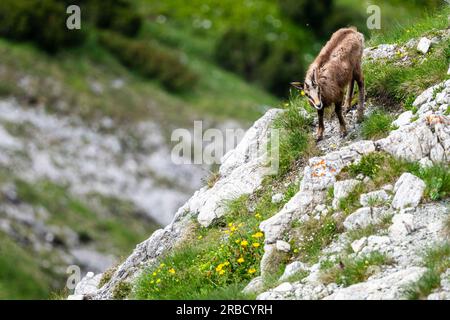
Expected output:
{"points": [[337, 66]]}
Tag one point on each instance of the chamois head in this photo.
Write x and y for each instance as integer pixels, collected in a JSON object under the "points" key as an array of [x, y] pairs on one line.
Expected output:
{"points": [[311, 89]]}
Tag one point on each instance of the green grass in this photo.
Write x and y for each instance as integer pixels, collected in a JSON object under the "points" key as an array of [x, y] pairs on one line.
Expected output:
{"points": [[296, 141], [413, 25], [312, 236], [350, 203], [437, 261], [352, 270], [392, 83], [377, 125], [383, 168], [21, 275]]}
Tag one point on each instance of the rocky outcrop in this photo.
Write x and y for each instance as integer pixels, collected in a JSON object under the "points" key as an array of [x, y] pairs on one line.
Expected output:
{"points": [[423, 137], [427, 138], [241, 173]]}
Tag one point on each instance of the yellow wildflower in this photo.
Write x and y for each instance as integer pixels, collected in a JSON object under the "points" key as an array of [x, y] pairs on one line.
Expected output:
{"points": [[221, 272], [240, 260], [158, 280], [230, 224], [172, 271], [226, 263], [251, 270], [162, 265], [199, 237], [257, 235], [256, 244], [302, 93], [244, 243], [154, 274], [232, 229], [220, 267], [237, 240], [258, 216]]}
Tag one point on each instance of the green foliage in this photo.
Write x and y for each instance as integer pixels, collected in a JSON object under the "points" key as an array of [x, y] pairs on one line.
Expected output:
{"points": [[151, 60], [324, 16], [119, 15], [437, 261], [437, 180], [271, 64], [377, 125], [42, 22], [352, 270], [295, 138]]}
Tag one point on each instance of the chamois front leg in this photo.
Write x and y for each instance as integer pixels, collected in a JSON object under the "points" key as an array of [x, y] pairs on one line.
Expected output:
{"points": [[360, 80], [342, 125], [321, 127]]}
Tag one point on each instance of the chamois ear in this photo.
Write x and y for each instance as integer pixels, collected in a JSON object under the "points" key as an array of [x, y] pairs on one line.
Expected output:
{"points": [[315, 76], [297, 85]]}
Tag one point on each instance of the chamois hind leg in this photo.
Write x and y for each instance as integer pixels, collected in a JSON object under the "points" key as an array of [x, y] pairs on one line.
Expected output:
{"points": [[321, 127], [358, 74], [349, 98], [342, 125]]}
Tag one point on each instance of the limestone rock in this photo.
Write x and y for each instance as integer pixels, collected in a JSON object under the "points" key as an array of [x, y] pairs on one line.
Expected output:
{"points": [[424, 45], [255, 286], [88, 285], [389, 287], [408, 191], [283, 246], [402, 225], [403, 119], [357, 245], [364, 217], [292, 269]]}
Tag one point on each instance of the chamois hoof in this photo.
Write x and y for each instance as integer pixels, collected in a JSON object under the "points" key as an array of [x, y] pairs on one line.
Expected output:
{"points": [[344, 134], [320, 138]]}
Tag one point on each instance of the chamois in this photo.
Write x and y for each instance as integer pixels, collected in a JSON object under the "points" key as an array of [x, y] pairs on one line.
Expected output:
{"points": [[337, 66]]}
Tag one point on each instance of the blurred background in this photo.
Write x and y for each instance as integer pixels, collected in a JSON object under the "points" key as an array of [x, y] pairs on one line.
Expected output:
{"points": [[86, 115]]}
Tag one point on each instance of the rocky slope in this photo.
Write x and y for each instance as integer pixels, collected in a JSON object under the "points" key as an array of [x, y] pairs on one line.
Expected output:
{"points": [[378, 249]]}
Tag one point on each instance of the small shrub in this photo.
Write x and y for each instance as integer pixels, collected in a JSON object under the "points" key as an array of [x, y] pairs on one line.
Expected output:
{"points": [[377, 125], [41, 22], [122, 290], [437, 180]]}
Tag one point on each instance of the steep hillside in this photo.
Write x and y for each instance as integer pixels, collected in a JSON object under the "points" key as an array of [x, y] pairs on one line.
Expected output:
{"points": [[365, 217], [85, 170]]}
